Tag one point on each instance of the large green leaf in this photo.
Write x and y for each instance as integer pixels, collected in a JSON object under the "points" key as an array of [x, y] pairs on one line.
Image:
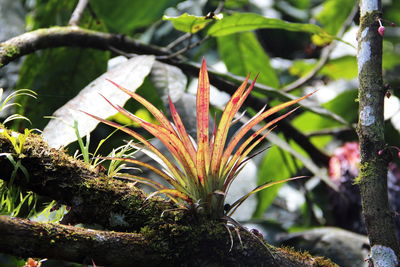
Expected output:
{"points": [[57, 74], [344, 105], [334, 13], [52, 12], [240, 22], [276, 165], [124, 16], [243, 54], [390, 59], [339, 68]]}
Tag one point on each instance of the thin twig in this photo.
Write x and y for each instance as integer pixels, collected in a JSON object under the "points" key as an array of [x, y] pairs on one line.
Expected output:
{"points": [[324, 58], [220, 7], [120, 52], [183, 50], [334, 131], [178, 41], [77, 14]]}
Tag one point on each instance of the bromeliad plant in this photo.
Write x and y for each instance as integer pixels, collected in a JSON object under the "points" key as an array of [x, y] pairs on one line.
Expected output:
{"points": [[201, 173]]}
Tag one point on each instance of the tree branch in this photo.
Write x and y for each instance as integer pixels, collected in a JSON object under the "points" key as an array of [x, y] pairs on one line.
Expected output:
{"points": [[77, 37], [93, 197], [77, 14], [73, 36], [169, 245], [47, 240], [373, 168], [337, 131]]}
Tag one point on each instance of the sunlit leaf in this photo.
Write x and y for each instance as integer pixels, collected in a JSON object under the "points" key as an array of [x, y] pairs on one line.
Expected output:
{"points": [[188, 23], [239, 22], [130, 74], [344, 104]]}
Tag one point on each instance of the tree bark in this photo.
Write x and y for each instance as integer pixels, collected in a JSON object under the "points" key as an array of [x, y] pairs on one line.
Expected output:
{"points": [[372, 179], [93, 197], [159, 233]]}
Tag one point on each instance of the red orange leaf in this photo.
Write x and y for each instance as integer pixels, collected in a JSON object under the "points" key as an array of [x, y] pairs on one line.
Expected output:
{"points": [[181, 129], [229, 112], [134, 178], [247, 127], [172, 193], [167, 137], [239, 155], [202, 108], [174, 170], [161, 118]]}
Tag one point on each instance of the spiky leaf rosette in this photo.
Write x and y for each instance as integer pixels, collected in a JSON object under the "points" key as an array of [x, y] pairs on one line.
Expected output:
{"points": [[201, 172]]}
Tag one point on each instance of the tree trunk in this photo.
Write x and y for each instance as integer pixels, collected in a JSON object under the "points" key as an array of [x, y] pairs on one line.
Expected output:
{"points": [[372, 179]]}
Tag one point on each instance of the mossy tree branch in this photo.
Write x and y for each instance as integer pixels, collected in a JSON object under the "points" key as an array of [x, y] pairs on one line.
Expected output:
{"points": [[175, 238], [93, 197], [26, 238], [373, 168], [169, 245]]}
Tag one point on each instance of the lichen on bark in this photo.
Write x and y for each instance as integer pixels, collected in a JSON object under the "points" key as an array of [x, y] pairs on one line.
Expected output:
{"points": [[372, 178]]}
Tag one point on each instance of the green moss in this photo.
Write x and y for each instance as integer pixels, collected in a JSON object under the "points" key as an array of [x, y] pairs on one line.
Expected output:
{"points": [[306, 257], [366, 169], [10, 50], [357, 180]]}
